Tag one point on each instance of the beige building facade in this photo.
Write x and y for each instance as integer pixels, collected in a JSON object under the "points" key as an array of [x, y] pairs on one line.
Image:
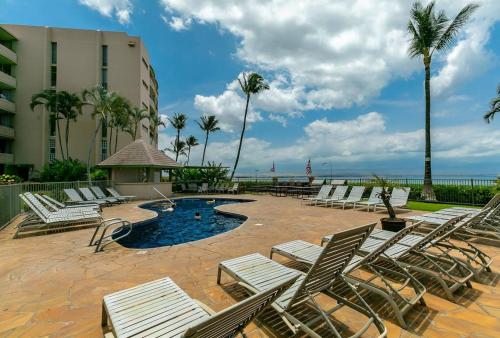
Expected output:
{"points": [[36, 58]]}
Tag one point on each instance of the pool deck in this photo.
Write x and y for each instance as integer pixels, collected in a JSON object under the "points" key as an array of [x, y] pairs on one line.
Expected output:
{"points": [[53, 285]]}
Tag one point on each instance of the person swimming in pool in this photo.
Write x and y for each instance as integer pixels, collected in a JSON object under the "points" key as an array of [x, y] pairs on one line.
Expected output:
{"points": [[197, 216]]}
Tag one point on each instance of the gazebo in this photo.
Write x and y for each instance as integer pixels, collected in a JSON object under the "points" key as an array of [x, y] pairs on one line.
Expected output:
{"points": [[136, 170]]}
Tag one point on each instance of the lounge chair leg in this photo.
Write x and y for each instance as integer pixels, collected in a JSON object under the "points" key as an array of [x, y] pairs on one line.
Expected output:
{"points": [[422, 302], [104, 319], [219, 272]]}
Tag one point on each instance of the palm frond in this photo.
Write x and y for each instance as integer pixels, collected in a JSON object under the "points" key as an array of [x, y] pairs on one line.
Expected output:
{"points": [[448, 36]]}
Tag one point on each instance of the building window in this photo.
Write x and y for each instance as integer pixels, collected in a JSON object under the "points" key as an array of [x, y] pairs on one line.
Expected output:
{"points": [[53, 76], [52, 149], [104, 149], [104, 78], [53, 49], [104, 56]]}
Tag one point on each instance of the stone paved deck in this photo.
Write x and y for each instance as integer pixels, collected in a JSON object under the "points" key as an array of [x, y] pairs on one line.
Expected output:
{"points": [[53, 285]]}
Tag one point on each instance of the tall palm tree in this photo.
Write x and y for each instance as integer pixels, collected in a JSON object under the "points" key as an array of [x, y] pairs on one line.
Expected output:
{"points": [[178, 147], [431, 32], [136, 115], [49, 98], [252, 83], [191, 141], [155, 122], [209, 125], [102, 102], [178, 121], [69, 106], [494, 107], [120, 111]]}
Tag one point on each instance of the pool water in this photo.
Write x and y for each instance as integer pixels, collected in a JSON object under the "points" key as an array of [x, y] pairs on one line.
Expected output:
{"points": [[180, 226]]}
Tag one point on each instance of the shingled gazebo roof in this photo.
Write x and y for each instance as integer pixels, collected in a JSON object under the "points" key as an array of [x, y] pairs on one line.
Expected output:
{"points": [[139, 154]]}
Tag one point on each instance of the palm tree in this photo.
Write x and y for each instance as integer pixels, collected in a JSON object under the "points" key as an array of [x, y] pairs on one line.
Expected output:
{"points": [[136, 115], [103, 102], [208, 125], [191, 141], [431, 32], [120, 110], [178, 147], [495, 107], [69, 106], [250, 84], [48, 98], [155, 122], [178, 122]]}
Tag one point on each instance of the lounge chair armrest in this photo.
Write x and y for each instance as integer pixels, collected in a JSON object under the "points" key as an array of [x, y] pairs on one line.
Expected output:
{"points": [[205, 307], [248, 287]]}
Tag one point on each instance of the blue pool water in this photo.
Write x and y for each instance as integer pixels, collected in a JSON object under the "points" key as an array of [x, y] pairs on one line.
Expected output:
{"points": [[180, 225]]}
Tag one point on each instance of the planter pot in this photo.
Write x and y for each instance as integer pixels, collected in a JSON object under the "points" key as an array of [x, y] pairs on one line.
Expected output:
{"points": [[393, 224]]}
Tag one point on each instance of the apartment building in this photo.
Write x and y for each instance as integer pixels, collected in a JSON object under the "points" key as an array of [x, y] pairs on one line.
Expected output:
{"points": [[36, 58]]}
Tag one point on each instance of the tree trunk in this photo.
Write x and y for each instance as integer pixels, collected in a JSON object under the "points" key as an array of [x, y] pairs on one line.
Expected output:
{"points": [[110, 142], [177, 144], [427, 191], [91, 147], [241, 138], [204, 149], [59, 137], [116, 141], [189, 153], [67, 137]]}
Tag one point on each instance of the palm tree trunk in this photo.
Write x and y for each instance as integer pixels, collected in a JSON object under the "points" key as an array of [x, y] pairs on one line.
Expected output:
{"points": [[67, 137], [177, 144], [91, 147], [204, 148], [60, 139], [427, 191], [189, 153], [241, 138], [116, 141], [110, 142]]}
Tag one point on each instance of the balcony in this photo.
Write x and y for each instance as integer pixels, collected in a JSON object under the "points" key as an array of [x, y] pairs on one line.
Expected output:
{"points": [[7, 56], [6, 132], [7, 81], [6, 158], [7, 107]]}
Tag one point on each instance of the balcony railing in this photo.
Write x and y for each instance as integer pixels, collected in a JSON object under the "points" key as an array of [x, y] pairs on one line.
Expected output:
{"points": [[7, 56], [7, 132], [7, 106], [7, 81]]}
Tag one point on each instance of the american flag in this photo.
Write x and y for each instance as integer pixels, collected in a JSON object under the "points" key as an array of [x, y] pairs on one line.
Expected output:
{"points": [[308, 168], [273, 169]]}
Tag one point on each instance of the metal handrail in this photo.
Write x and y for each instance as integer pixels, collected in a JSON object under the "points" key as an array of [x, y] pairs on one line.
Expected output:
{"points": [[101, 243], [165, 197]]}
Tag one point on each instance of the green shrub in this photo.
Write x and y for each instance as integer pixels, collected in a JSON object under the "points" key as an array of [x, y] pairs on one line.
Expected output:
{"points": [[212, 174], [99, 175], [64, 171], [9, 179]]}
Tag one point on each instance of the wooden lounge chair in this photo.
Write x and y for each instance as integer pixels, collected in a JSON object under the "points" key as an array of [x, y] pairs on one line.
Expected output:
{"points": [[162, 309], [355, 195], [400, 292], [257, 273], [115, 194]]}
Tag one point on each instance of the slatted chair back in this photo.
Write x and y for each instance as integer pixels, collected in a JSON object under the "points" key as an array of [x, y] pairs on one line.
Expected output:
{"points": [[53, 201], [89, 196], [375, 195], [47, 202], [324, 192], [399, 196], [441, 231], [204, 187], [113, 192], [73, 195], [339, 192], [356, 193], [493, 202], [231, 321], [98, 192], [39, 212], [472, 222], [335, 256]]}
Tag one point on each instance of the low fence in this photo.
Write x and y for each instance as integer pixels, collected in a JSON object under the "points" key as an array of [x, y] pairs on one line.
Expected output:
{"points": [[471, 191], [10, 203]]}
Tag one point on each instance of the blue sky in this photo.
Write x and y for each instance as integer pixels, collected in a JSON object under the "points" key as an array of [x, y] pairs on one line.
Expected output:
{"points": [[343, 90]]}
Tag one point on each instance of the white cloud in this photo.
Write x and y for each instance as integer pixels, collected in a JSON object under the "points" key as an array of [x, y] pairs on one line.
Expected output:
{"points": [[335, 53], [121, 9], [177, 23]]}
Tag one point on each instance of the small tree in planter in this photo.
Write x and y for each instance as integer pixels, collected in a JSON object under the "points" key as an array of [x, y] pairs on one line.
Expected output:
{"points": [[391, 223]]}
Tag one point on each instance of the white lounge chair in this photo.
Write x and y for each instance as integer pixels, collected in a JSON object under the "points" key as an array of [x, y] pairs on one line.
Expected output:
{"points": [[162, 309], [257, 273], [75, 197], [337, 195], [323, 193], [400, 292], [58, 206], [89, 196], [373, 200], [102, 196], [234, 189], [355, 195], [115, 194], [399, 198], [203, 189]]}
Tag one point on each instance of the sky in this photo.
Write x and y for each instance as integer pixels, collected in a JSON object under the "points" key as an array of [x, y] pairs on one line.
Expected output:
{"points": [[343, 91]]}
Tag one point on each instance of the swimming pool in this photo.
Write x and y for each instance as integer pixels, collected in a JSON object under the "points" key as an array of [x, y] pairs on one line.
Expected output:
{"points": [[180, 226]]}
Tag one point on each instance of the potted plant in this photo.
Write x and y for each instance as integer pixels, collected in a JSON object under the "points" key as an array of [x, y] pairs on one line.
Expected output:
{"points": [[391, 223]]}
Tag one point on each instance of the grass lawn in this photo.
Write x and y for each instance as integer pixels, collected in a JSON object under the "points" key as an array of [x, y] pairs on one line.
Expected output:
{"points": [[414, 205]]}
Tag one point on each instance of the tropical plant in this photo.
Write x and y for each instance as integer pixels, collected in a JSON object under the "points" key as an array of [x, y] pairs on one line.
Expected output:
{"points": [[9, 179], [212, 174], [136, 115], [385, 195], [69, 106], [63, 171], [494, 107], [103, 103], [48, 98], [98, 174], [178, 121], [177, 147], [209, 125], [155, 122], [252, 83], [431, 32], [118, 120], [191, 141]]}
